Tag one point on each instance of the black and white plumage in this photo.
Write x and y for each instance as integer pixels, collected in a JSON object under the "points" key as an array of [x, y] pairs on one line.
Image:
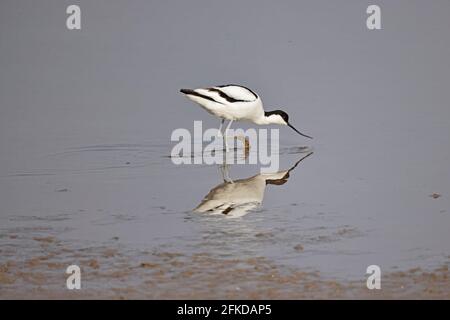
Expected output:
{"points": [[237, 198], [236, 103]]}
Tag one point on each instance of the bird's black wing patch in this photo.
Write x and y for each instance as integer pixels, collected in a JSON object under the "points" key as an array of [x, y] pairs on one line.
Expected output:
{"points": [[237, 85], [195, 93], [225, 96], [227, 210]]}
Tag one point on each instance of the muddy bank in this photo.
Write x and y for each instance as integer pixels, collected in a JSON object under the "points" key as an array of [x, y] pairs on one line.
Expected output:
{"points": [[33, 267]]}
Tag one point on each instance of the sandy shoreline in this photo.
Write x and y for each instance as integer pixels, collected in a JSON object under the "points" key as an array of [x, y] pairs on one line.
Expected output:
{"points": [[115, 272]]}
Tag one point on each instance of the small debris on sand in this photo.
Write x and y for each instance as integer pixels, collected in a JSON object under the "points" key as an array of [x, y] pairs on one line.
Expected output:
{"points": [[44, 239], [148, 265], [435, 195], [93, 264]]}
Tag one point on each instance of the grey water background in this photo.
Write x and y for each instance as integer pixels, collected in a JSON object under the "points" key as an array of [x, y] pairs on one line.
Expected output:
{"points": [[86, 118]]}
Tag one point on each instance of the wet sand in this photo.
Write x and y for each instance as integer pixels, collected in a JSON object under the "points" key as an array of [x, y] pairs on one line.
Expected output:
{"points": [[37, 271]]}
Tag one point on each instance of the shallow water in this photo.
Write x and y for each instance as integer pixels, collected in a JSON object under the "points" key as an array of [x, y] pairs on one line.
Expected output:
{"points": [[85, 123], [318, 220]]}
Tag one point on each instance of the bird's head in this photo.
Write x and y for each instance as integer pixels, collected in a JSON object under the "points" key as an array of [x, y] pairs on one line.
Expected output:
{"points": [[282, 118]]}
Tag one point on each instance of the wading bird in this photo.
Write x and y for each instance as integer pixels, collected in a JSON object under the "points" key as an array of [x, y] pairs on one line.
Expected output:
{"points": [[237, 198], [236, 103]]}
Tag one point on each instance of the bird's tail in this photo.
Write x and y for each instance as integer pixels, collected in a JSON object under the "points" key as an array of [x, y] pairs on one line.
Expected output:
{"points": [[187, 91]]}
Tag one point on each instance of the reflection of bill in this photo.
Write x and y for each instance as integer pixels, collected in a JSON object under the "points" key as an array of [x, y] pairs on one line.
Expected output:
{"points": [[237, 198]]}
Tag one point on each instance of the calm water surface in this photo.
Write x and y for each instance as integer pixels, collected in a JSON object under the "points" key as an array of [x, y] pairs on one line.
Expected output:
{"points": [[328, 215]]}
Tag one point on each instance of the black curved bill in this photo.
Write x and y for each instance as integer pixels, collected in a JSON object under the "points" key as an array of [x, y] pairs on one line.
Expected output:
{"points": [[299, 131]]}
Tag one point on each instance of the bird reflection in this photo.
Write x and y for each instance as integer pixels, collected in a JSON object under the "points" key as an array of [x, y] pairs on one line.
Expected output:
{"points": [[237, 198]]}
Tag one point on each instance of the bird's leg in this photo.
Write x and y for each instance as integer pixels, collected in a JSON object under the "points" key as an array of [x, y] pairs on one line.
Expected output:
{"points": [[224, 170], [225, 173], [245, 141], [220, 167], [225, 134], [219, 132]]}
